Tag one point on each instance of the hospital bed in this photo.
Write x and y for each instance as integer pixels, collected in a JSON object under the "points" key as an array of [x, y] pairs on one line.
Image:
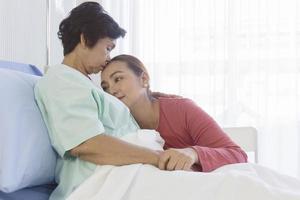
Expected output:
{"points": [[246, 138], [27, 160]]}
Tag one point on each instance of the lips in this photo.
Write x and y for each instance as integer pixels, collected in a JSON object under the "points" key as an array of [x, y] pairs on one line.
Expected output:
{"points": [[120, 98], [102, 67]]}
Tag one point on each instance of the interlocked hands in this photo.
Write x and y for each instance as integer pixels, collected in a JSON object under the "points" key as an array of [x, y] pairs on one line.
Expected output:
{"points": [[177, 159]]}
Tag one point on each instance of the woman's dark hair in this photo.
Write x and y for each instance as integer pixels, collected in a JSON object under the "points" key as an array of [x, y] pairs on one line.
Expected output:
{"points": [[91, 20]]}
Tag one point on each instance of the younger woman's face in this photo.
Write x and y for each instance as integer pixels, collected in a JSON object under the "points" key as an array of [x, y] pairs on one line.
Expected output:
{"points": [[120, 81]]}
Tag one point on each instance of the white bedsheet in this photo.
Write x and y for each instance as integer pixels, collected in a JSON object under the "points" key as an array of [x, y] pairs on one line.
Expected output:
{"points": [[145, 182]]}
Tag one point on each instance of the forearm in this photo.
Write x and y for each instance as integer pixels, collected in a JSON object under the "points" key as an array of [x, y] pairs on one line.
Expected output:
{"points": [[107, 150], [212, 158]]}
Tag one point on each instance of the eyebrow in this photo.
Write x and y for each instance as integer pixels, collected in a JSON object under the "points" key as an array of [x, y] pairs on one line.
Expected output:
{"points": [[103, 82], [115, 73]]}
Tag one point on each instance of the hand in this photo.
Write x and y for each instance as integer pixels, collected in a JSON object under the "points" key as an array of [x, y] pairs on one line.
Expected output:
{"points": [[177, 159], [159, 94]]}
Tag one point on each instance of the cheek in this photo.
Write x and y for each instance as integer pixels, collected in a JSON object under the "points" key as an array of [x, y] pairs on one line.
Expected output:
{"points": [[103, 52], [125, 87], [135, 89], [93, 58], [98, 55]]}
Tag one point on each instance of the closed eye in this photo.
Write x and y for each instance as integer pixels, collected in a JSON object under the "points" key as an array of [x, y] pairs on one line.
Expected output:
{"points": [[110, 48], [117, 79]]}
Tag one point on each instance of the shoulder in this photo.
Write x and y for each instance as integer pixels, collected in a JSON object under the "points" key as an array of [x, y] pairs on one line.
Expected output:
{"points": [[63, 83], [181, 106], [64, 78], [176, 102], [177, 106]]}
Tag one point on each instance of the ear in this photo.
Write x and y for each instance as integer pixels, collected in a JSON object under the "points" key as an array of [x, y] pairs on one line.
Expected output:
{"points": [[145, 80], [82, 41]]}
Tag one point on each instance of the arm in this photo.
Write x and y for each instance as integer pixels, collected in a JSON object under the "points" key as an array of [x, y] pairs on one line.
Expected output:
{"points": [[74, 126], [213, 146], [108, 150]]}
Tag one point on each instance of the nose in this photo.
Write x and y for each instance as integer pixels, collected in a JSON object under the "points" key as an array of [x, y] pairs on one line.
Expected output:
{"points": [[114, 90], [107, 58]]}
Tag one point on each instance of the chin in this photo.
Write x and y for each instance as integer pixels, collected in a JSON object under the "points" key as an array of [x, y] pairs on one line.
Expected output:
{"points": [[97, 70]]}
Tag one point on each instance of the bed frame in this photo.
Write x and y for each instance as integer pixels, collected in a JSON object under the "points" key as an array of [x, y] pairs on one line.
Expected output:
{"points": [[245, 137]]}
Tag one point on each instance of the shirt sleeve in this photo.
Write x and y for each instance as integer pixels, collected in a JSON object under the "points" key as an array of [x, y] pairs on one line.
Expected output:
{"points": [[71, 115], [213, 146]]}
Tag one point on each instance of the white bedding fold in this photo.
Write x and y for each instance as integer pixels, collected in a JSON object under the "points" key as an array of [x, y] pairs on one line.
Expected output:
{"points": [[145, 182]]}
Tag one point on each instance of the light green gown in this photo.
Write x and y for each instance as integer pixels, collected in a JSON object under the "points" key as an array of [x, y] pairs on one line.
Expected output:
{"points": [[74, 110]]}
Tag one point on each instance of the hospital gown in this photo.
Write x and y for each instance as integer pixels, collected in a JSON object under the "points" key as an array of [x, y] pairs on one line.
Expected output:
{"points": [[74, 110]]}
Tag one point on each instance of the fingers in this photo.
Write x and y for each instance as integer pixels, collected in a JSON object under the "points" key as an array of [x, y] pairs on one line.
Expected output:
{"points": [[163, 160], [174, 159], [180, 164], [187, 166], [185, 163]]}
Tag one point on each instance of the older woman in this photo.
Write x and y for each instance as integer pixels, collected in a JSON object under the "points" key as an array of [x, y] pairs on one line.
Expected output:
{"points": [[192, 138], [83, 121]]}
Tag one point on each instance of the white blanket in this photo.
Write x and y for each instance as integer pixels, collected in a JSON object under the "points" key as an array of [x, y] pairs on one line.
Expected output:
{"points": [[145, 182]]}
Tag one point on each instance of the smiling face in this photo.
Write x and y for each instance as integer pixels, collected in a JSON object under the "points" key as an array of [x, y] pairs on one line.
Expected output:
{"points": [[94, 59], [120, 81]]}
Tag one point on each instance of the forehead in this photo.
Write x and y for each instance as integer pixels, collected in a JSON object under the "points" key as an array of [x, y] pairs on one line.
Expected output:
{"points": [[116, 65], [113, 67]]}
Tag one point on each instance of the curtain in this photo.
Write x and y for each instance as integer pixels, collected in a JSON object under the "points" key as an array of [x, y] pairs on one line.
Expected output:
{"points": [[238, 60], [57, 10]]}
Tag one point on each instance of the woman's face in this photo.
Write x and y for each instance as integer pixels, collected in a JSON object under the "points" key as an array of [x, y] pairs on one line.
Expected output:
{"points": [[120, 81], [95, 58]]}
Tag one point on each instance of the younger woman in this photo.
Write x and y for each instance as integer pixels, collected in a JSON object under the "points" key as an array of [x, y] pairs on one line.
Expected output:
{"points": [[193, 140]]}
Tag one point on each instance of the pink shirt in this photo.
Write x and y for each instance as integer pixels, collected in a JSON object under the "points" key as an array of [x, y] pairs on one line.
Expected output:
{"points": [[184, 124]]}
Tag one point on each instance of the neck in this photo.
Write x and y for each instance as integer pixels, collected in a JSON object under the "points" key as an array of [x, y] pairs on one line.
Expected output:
{"points": [[146, 112], [73, 60]]}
